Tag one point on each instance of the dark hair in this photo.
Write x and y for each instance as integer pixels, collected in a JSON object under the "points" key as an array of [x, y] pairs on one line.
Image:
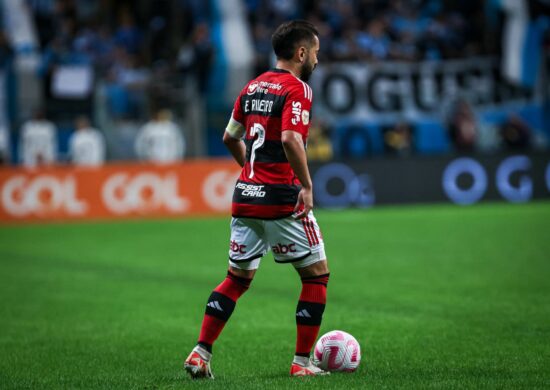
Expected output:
{"points": [[289, 35]]}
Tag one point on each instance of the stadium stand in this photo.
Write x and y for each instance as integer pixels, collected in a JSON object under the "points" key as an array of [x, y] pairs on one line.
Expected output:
{"points": [[118, 62]]}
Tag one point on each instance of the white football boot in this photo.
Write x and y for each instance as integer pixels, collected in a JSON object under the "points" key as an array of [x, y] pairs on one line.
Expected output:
{"points": [[302, 366], [197, 363]]}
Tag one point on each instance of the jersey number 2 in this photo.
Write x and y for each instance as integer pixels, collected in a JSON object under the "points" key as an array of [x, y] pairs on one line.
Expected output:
{"points": [[256, 129]]}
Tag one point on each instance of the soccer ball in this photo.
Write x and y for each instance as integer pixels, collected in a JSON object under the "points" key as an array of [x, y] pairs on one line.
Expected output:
{"points": [[337, 351]]}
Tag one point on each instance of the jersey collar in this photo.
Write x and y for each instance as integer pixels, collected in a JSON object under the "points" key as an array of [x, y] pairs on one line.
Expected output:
{"points": [[277, 70]]}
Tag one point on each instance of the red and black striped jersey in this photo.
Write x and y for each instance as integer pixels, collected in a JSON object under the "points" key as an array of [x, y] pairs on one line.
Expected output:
{"points": [[275, 101]]}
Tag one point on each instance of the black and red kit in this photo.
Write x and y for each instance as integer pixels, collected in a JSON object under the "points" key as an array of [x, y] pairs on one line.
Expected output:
{"points": [[273, 102]]}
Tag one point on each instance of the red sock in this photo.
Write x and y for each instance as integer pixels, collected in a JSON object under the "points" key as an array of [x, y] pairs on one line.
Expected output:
{"points": [[309, 312], [221, 304]]}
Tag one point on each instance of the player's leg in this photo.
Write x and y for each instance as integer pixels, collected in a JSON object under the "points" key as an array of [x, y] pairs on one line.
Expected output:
{"points": [[246, 249], [309, 314], [301, 243]]}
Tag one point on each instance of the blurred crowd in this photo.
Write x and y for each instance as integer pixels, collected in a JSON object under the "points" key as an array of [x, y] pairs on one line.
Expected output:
{"points": [[376, 30], [159, 140], [138, 53], [138, 49]]}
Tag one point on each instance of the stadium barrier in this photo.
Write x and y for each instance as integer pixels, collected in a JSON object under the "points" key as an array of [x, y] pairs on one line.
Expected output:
{"points": [[205, 187], [117, 191], [464, 180]]}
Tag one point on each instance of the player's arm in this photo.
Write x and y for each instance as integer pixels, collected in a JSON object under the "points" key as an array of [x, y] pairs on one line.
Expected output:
{"points": [[232, 138], [296, 156], [295, 126]]}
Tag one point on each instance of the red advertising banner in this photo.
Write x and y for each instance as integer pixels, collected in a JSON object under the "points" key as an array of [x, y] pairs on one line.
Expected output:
{"points": [[117, 191]]}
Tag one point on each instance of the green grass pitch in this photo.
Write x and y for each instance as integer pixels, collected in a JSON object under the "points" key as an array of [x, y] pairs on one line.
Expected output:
{"points": [[438, 297]]}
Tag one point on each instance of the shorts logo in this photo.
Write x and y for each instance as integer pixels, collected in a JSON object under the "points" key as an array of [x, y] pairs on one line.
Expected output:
{"points": [[297, 112], [251, 190], [305, 117], [282, 249], [237, 248]]}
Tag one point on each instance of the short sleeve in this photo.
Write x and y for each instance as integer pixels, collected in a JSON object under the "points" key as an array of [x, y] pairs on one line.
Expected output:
{"points": [[297, 109]]}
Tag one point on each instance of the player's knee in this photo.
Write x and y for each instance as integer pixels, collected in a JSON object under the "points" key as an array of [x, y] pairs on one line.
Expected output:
{"points": [[315, 269], [243, 273]]}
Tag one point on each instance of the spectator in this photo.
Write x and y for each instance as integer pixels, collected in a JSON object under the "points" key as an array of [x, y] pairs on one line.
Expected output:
{"points": [[87, 144], [160, 140], [128, 34], [38, 141], [203, 55], [398, 140], [262, 37], [43, 13], [463, 127], [319, 147], [132, 81], [195, 57], [374, 43], [515, 133]]}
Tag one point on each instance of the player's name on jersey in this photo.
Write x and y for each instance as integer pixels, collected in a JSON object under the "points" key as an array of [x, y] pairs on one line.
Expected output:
{"points": [[258, 105]]}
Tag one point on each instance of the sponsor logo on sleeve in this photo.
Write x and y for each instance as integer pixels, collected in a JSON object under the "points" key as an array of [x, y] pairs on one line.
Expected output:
{"points": [[296, 112], [305, 117]]}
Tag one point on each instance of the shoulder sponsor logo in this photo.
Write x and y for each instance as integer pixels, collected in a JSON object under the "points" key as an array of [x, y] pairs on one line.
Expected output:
{"points": [[251, 190], [41, 195], [296, 112], [265, 84], [252, 87], [262, 87], [305, 117]]}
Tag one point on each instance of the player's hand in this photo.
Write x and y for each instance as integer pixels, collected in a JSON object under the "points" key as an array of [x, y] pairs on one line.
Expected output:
{"points": [[304, 204]]}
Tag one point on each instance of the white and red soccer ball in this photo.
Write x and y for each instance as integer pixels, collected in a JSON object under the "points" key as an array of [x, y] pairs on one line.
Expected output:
{"points": [[337, 351]]}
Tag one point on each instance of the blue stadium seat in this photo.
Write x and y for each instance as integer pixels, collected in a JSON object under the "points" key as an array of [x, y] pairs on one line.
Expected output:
{"points": [[431, 138]]}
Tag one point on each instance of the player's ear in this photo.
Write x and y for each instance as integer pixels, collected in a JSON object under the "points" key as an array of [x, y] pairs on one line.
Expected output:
{"points": [[302, 54]]}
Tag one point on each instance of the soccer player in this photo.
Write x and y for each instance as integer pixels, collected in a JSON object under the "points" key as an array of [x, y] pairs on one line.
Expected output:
{"points": [[273, 199]]}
